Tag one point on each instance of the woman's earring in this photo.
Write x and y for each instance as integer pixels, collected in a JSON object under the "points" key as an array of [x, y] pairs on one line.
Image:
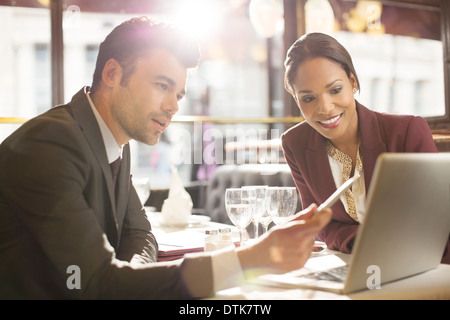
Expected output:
{"points": [[354, 90]]}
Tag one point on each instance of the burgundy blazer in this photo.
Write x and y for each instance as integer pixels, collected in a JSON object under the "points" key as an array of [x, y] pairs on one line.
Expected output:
{"points": [[305, 152]]}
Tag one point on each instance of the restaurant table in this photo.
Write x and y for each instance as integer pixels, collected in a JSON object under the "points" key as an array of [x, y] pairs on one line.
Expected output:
{"points": [[175, 240], [430, 285]]}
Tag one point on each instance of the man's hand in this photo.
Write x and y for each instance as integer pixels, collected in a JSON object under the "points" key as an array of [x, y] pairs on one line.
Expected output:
{"points": [[285, 247]]}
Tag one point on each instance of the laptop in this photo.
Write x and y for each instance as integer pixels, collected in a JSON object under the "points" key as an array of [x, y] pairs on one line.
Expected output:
{"points": [[404, 232]]}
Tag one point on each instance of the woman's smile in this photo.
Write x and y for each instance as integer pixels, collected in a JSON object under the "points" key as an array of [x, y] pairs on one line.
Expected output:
{"points": [[331, 122]]}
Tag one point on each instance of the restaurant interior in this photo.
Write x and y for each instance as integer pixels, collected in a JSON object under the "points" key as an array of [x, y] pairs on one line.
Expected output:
{"points": [[227, 132], [236, 106]]}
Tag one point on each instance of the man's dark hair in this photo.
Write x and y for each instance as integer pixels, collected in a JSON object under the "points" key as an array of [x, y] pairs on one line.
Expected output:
{"points": [[135, 37]]}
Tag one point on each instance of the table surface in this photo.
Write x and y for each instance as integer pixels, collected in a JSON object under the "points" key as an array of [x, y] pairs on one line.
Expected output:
{"points": [[430, 285]]}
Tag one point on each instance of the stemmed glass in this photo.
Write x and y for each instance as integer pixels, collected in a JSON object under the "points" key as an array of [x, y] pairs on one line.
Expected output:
{"points": [[240, 205], [281, 203], [265, 220], [260, 206]]}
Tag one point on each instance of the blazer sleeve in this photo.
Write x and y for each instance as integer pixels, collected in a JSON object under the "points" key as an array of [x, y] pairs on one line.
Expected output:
{"points": [[339, 236], [418, 137], [137, 244]]}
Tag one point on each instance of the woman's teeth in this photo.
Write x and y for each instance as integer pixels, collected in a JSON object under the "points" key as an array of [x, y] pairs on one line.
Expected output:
{"points": [[330, 121]]}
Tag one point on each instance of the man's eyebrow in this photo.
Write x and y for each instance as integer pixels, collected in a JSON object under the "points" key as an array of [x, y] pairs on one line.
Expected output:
{"points": [[171, 83], [167, 79], [327, 86]]}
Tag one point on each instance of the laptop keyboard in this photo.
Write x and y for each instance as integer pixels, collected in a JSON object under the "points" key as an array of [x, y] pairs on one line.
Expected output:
{"points": [[337, 274]]}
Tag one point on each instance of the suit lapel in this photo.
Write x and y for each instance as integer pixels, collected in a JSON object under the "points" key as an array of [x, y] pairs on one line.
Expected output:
{"points": [[318, 168], [372, 144], [123, 184], [85, 118]]}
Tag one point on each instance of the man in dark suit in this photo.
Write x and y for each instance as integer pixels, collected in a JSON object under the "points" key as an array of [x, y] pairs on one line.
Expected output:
{"points": [[68, 230]]}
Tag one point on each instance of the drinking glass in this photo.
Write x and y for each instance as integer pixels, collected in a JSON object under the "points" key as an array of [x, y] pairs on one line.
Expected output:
{"points": [[142, 186], [281, 203], [260, 206], [265, 220], [240, 205]]}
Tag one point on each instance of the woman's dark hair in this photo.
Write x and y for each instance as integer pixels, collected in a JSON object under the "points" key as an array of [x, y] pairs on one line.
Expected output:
{"points": [[313, 45], [135, 37]]}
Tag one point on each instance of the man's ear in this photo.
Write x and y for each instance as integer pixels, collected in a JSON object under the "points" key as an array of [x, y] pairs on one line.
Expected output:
{"points": [[112, 73]]}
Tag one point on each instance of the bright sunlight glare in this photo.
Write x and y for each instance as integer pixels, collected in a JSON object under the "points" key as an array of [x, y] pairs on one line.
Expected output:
{"points": [[199, 18]]}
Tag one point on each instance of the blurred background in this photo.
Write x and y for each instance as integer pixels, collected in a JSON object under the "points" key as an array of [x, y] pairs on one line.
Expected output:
{"points": [[236, 106]]}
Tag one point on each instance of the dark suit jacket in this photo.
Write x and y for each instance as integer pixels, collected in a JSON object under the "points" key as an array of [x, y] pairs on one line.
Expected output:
{"points": [[58, 209], [305, 152]]}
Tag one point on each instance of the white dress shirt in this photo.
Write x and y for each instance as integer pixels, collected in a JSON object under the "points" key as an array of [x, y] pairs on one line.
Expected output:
{"points": [[358, 188], [113, 150]]}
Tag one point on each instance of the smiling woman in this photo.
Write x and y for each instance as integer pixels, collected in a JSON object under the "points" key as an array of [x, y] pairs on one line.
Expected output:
{"points": [[400, 48], [340, 138]]}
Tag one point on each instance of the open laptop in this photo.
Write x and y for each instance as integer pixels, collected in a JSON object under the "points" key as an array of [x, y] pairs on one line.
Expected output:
{"points": [[404, 233]]}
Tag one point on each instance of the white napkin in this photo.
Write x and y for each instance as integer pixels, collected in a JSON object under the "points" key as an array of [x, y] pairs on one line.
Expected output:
{"points": [[177, 208]]}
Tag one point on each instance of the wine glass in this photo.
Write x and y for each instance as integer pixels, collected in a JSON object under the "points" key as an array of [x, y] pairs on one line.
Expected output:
{"points": [[260, 206], [265, 220], [281, 203], [142, 186], [240, 205]]}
